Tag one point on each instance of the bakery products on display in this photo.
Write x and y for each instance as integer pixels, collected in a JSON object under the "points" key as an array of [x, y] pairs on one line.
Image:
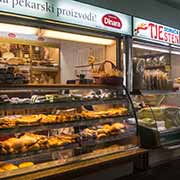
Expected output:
{"points": [[103, 131], [177, 80], [9, 166], [10, 76], [32, 142], [35, 99], [13, 121], [25, 164]]}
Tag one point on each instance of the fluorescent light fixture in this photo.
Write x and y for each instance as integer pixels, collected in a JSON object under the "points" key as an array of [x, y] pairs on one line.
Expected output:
{"points": [[76, 37], [150, 48], [175, 52], [178, 47], [10, 28], [150, 40]]}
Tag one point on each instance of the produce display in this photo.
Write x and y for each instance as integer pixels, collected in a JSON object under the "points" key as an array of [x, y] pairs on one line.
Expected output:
{"points": [[14, 121], [165, 116]]}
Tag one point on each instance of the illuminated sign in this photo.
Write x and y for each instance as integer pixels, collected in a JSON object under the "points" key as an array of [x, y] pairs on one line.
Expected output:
{"points": [[72, 12], [154, 31]]}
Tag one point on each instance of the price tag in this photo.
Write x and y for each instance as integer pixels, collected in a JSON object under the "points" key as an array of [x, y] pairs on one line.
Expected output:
{"points": [[168, 68], [161, 125]]}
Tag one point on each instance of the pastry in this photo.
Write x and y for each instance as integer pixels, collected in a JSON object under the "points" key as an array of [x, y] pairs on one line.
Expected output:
{"points": [[34, 147], [29, 139], [28, 119], [118, 126], [32, 142], [177, 80], [101, 136], [106, 126], [25, 164], [9, 166], [1, 170]]}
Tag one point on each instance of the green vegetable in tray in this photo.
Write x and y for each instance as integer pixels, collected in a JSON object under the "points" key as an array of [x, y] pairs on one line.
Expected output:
{"points": [[148, 122]]}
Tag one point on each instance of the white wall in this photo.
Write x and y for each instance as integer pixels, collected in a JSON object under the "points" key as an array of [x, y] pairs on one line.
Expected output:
{"points": [[74, 54]]}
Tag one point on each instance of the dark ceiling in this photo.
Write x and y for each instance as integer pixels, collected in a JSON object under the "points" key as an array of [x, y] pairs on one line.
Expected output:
{"points": [[172, 3]]}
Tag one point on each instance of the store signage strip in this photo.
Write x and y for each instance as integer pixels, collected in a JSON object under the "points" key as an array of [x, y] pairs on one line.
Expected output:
{"points": [[72, 12], [153, 31]]}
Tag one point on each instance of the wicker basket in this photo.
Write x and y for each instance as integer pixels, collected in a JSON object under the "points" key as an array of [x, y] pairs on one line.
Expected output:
{"points": [[113, 80]]}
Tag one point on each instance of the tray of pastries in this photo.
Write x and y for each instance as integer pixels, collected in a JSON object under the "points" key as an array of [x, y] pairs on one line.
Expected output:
{"points": [[41, 119], [30, 142]]}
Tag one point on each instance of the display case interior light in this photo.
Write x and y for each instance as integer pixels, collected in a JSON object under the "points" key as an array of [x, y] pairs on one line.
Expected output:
{"points": [[175, 52], [77, 37], [150, 48], [11, 28], [155, 49]]}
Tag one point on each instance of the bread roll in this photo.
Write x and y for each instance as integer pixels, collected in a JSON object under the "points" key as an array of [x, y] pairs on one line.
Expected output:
{"points": [[26, 164], [9, 166]]}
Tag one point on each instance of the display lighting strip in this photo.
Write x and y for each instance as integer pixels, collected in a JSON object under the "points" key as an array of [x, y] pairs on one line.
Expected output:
{"points": [[175, 52], [155, 49], [77, 37], [153, 41], [10, 28], [150, 48]]}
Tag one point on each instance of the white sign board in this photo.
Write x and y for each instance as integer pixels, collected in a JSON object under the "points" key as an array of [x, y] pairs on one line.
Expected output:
{"points": [[72, 12], [153, 31]]}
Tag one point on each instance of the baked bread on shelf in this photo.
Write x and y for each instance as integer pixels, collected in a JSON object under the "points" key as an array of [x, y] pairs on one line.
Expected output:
{"points": [[104, 131], [31, 142], [25, 164], [30, 120], [8, 167]]}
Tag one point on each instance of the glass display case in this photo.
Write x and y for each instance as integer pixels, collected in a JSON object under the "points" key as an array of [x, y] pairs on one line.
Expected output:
{"points": [[48, 126], [155, 89], [159, 119]]}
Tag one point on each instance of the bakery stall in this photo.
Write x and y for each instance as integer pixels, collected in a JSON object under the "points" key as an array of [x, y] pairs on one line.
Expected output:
{"points": [[64, 109], [155, 86]]}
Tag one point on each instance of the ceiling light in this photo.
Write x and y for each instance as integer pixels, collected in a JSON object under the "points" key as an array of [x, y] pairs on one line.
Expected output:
{"points": [[150, 48], [10, 28], [77, 37]]}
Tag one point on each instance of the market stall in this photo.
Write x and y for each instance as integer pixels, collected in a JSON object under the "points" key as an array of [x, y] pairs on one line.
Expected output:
{"points": [[63, 103], [155, 84]]}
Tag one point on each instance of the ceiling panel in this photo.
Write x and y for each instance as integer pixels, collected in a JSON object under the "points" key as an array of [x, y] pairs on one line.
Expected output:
{"points": [[172, 3]]}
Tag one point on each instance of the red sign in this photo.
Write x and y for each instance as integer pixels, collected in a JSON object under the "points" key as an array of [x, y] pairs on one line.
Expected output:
{"points": [[161, 33], [11, 35], [112, 21]]}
